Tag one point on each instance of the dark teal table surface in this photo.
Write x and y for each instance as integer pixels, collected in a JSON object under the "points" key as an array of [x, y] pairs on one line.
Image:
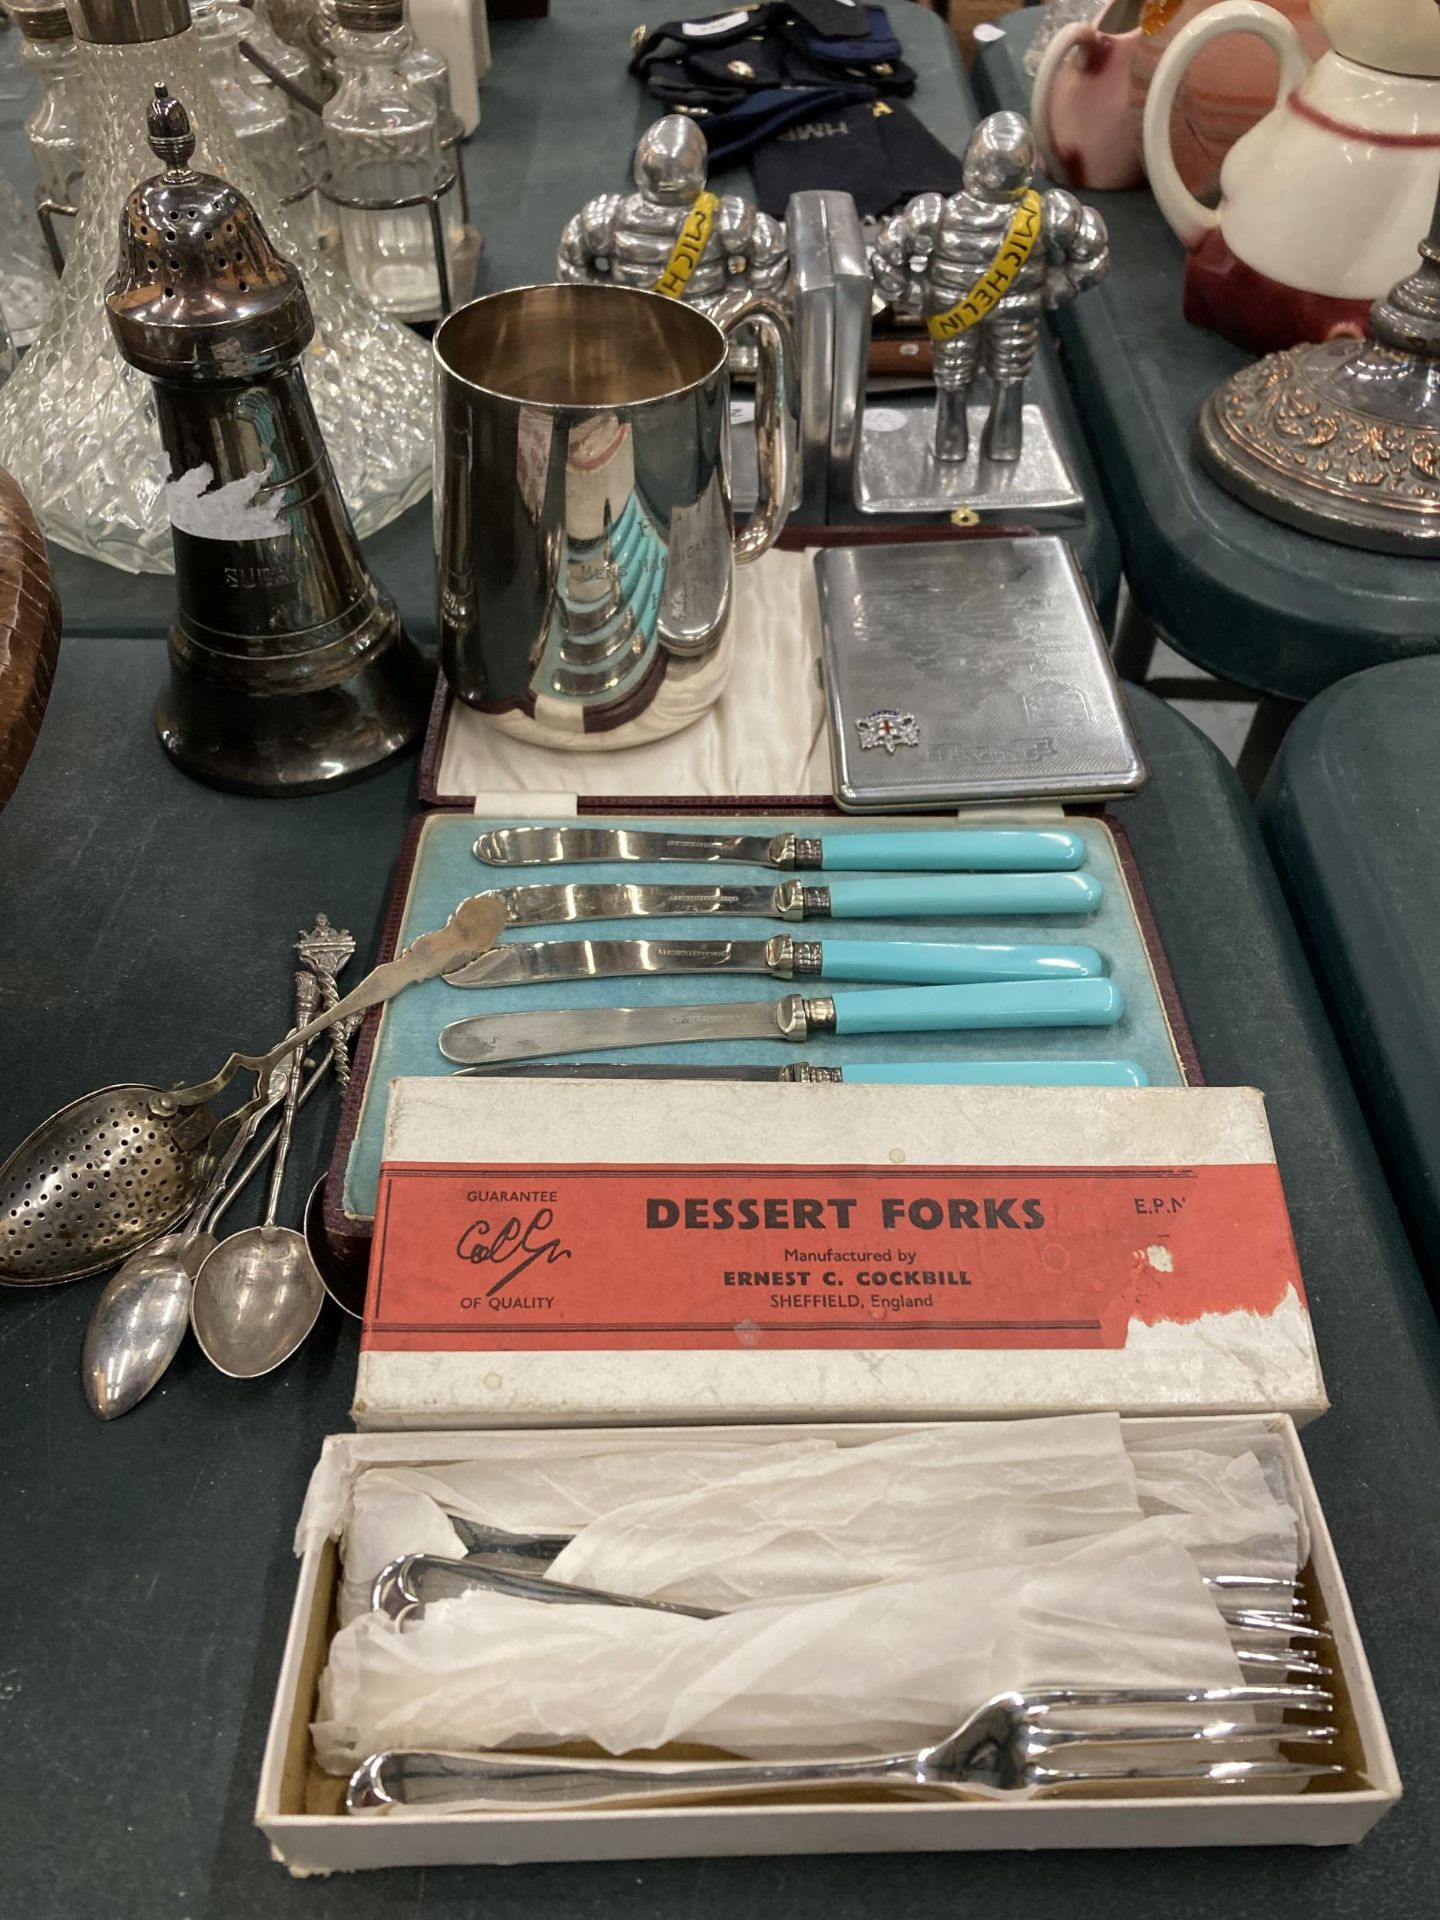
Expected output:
{"points": [[146, 1573], [1248, 600], [1350, 810], [560, 120]]}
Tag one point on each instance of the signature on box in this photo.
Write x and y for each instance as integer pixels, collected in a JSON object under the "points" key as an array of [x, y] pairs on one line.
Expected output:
{"points": [[510, 1248]]}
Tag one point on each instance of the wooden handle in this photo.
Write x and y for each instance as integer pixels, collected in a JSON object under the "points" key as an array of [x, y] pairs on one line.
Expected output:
{"points": [[29, 633], [898, 357]]}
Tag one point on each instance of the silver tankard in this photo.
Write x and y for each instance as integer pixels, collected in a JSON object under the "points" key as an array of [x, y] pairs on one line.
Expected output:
{"points": [[586, 538]]}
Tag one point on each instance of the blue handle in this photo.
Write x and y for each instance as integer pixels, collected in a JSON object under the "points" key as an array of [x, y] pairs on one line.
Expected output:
{"points": [[1003, 1073], [990, 896], [934, 963], [963, 850], [1008, 1003]]}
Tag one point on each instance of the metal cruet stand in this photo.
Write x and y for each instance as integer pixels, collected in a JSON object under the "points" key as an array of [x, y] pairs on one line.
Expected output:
{"points": [[452, 137]]}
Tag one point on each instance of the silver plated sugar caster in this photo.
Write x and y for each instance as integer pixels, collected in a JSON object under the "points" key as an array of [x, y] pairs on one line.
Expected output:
{"points": [[289, 668]]}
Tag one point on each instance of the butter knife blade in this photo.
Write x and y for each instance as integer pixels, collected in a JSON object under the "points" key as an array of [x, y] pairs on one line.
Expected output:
{"points": [[966, 849], [486, 1038], [545, 906], [547, 846], [902, 896], [528, 962]]}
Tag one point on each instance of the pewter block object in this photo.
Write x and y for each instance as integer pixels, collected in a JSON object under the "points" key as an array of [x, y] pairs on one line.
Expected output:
{"points": [[896, 470]]}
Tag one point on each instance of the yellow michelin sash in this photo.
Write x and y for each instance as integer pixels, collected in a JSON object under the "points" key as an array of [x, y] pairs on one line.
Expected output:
{"points": [[685, 255], [998, 278]]}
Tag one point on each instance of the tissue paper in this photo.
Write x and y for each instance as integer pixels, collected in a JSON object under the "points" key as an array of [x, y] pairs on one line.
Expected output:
{"points": [[872, 1592], [395, 1510], [970, 1491], [884, 1669]]}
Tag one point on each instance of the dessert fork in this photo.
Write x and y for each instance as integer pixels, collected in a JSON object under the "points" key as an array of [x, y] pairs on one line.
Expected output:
{"points": [[1008, 1745], [1248, 1593], [1261, 1634]]}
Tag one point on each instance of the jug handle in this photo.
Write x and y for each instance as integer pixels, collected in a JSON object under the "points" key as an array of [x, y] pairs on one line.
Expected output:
{"points": [[1051, 61], [772, 441], [1186, 215]]}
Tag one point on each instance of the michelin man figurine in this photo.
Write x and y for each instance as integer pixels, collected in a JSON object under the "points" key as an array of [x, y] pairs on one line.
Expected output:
{"points": [[979, 268], [670, 235]]}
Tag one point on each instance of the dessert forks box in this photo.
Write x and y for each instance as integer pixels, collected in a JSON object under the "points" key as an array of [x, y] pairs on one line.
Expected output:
{"points": [[299, 1807], [548, 1254]]}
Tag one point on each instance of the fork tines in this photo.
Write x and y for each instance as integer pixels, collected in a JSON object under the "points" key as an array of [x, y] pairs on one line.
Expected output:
{"points": [[1039, 1705], [1212, 1732], [1290, 1626], [1249, 1583], [1301, 1663], [1217, 1773], [1048, 1736], [1042, 1700]]}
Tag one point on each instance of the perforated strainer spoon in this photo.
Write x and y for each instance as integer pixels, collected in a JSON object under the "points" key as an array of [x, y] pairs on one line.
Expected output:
{"points": [[97, 1181], [115, 1169]]}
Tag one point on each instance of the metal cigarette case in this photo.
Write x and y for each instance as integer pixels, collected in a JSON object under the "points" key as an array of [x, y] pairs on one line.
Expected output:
{"points": [[969, 674]]}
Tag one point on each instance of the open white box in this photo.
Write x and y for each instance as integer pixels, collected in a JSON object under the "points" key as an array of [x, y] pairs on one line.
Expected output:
{"points": [[297, 1806]]}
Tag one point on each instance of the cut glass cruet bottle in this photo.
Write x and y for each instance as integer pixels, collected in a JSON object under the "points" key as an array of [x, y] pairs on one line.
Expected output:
{"points": [[384, 133], [27, 279], [294, 78]]}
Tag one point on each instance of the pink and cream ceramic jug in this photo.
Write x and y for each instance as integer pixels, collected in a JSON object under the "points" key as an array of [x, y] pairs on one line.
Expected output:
{"points": [[1324, 202], [1090, 90]]}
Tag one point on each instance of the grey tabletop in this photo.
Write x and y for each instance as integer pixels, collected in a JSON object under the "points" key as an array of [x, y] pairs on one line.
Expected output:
{"points": [[1248, 600], [1348, 810], [147, 1576], [560, 120]]}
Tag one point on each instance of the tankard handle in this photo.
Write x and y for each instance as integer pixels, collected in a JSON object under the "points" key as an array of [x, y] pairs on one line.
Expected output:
{"points": [[772, 443], [1187, 215]]}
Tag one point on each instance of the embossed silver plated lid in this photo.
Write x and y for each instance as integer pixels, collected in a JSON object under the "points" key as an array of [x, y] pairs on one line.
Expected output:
{"points": [[370, 16], [41, 19], [125, 23], [1342, 439], [200, 293]]}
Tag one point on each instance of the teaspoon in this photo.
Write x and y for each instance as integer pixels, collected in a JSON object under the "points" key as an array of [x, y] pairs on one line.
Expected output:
{"points": [[140, 1319], [257, 1295], [344, 1276]]}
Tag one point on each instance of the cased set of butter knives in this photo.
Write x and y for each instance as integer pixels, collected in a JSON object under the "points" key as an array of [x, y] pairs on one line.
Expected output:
{"points": [[920, 986]]}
